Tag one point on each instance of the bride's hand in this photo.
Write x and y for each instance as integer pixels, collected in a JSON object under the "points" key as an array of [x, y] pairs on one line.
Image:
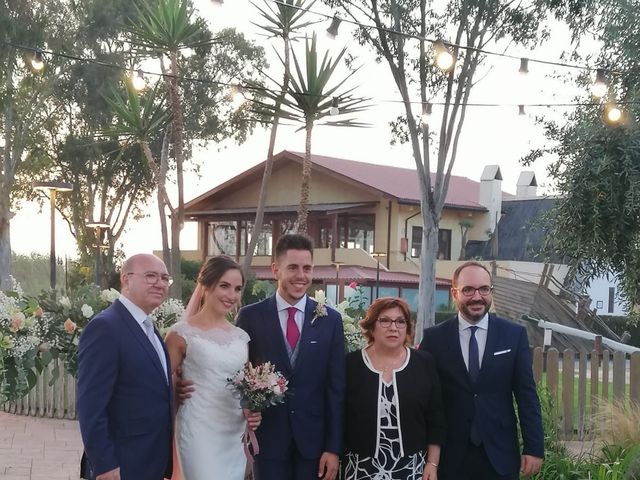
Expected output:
{"points": [[253, 418]]}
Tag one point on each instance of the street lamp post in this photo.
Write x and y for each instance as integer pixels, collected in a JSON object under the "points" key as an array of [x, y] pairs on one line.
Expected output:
{"points": [[98, 226], [377, 256], [337, 264], [52, 188]]}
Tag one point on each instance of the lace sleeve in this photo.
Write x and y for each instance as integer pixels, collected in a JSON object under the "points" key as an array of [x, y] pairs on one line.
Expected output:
{"points": [[181, 328]]}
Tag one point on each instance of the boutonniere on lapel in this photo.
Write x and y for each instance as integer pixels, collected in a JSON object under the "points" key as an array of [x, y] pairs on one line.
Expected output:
{"points": [[321, 308]]}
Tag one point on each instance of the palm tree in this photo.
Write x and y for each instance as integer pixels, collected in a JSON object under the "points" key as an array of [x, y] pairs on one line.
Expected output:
{"points": [[309, 99], [282, 21], [164, 28]]}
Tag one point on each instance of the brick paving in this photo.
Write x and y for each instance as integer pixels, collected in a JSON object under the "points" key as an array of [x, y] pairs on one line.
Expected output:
{"points": [[34, 448]]}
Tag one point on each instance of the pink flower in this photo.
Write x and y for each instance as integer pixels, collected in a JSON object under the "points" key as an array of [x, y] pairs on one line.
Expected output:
{"points": [[353, 285], [69, 326], [16, 322]]}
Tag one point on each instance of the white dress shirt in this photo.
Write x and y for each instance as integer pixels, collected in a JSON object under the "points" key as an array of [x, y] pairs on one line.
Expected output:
{"points": [[138, 314], [283, 313], [465, 336]]}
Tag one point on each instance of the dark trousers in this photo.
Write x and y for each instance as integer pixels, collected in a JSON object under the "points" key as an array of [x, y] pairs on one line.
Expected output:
{"points": [[476, 466], [294, 467]]}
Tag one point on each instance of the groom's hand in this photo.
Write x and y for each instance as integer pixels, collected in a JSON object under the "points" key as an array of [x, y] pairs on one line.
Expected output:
{"points": [[328, 466], [184, 388]]}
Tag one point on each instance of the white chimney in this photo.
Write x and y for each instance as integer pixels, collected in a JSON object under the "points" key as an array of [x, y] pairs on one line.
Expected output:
{"points": [[491, 195], [527, 186]]}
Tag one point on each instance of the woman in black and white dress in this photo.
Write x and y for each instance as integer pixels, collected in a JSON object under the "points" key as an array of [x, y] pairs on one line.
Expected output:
{"points": [[394, 417]]}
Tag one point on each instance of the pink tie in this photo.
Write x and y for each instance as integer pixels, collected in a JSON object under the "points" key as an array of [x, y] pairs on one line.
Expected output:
{"points": [[293, 333]]}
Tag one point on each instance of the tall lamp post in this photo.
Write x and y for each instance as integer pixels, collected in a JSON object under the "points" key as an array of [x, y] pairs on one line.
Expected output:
{"points": [[99, 226], [377, 256], [337, 265], [52, 187]]}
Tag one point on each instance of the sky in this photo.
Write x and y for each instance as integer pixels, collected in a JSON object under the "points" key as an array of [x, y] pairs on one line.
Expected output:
{"points": [[491, 136]]}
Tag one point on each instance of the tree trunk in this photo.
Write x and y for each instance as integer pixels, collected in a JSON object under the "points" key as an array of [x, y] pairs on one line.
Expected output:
{"points": [[303, 209], [268, 167], [6, 182], [164, 161], [5, 238], [177, 218], [427, 287]]}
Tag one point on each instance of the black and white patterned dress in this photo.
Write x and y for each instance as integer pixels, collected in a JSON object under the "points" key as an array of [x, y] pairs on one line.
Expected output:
{"points": [[389, 461]]}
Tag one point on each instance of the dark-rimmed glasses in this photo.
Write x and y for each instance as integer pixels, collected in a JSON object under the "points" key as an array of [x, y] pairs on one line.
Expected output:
{"points": [[152, 278], [385, 322], [471, 291]]}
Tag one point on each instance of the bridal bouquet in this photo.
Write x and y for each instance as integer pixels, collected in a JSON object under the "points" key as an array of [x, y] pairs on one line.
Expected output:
{"points": [[258, 387]]}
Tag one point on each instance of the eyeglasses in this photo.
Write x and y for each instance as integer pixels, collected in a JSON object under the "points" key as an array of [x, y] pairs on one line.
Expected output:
{"points": [[471, 291], [386, 322], [151, 278]]}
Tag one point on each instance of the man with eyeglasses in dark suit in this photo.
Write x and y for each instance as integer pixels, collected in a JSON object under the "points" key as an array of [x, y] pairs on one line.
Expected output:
{"points": [[484, 363]]}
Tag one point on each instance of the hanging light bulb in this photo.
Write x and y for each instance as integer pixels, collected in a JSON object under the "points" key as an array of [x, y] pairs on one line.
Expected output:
{"points": [[335, 110], [138, 81], [444, 59], [599, 87], [521, 111], [427, 109], [524, 66], [613, 114], [37, 61], [217, 3], [332, 31], [237, 96]]}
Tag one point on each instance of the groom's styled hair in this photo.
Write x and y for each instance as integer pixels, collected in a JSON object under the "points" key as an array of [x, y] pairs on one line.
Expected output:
{"points": [[293, 241]]}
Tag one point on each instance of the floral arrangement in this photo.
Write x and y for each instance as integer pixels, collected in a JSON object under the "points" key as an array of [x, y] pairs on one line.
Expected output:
{"points": [[351, 311], [35, 331], [258, 387]]}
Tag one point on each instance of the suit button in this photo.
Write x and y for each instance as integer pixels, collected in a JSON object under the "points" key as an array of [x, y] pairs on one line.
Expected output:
{"points": [[292, 412], [475, 395]]}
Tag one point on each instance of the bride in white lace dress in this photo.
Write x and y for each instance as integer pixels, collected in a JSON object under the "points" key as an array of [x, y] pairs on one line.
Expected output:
{"points": [[208, 349]]}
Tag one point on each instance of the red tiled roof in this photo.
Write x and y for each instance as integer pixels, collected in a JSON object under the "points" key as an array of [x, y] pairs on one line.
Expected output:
{"points": [[398, 182], [354, 273]]}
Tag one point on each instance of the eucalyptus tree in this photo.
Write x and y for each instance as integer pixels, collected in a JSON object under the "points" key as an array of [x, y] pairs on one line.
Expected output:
{"points": [[314, 95], [283, 21], [402, 34]]}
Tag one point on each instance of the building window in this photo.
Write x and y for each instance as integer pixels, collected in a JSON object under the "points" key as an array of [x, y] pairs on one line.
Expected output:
{"points": [[222, 239], [444, 243], [599, 304], [356, 231], [265, 240]]}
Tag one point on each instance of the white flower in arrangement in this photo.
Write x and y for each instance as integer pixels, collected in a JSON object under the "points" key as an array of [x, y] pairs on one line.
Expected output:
{"points": [[86, 310], [110, 295], [14, 286], [65, 302]]}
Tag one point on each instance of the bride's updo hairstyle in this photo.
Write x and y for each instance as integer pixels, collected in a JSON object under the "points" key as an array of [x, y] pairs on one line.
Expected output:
{"points": [[212, 271]]}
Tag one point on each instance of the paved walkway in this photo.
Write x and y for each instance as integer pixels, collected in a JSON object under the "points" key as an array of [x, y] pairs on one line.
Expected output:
{"points": [[33, 448]]}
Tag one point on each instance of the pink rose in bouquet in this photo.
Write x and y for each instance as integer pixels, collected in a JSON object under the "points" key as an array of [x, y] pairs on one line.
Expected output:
{"points": [[258, 387]]}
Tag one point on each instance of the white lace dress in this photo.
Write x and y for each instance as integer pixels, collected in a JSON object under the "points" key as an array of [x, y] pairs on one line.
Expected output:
{"points": [[209, 425]]}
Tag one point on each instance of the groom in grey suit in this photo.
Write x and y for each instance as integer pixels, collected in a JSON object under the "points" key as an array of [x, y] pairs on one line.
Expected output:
{"points": [[302, 438]]}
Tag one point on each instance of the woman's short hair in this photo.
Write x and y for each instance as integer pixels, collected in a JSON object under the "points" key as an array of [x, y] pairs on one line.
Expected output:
{"points": [[368, 323]]}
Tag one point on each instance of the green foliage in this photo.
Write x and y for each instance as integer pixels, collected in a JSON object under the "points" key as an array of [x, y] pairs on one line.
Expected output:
{"points": [[32, 272]]}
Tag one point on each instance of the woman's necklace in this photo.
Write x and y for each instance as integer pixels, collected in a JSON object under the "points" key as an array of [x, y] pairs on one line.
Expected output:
{"points": [[387, 363]]}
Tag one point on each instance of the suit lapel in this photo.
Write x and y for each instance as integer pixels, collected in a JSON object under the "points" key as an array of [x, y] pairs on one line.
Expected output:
{"points": [[272, 318], [456, 350], [139, 335]]}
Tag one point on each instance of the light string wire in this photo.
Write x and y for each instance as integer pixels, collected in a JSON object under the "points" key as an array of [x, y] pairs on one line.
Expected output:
{"points": [[253, 87]]}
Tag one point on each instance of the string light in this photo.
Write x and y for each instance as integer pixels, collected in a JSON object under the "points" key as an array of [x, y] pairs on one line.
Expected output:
{"points": [[427, 110], [138, 81], [37, 61], [521, 111], [524, 66], [599, 87], [613, 114], [237, 96], [217, 3], [334, 106], [332, 31], [444, 59]]}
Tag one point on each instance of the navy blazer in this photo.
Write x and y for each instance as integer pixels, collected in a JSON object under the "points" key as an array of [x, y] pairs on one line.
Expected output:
{"points": [[124, 401], [312, 414], [505, 373]]}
